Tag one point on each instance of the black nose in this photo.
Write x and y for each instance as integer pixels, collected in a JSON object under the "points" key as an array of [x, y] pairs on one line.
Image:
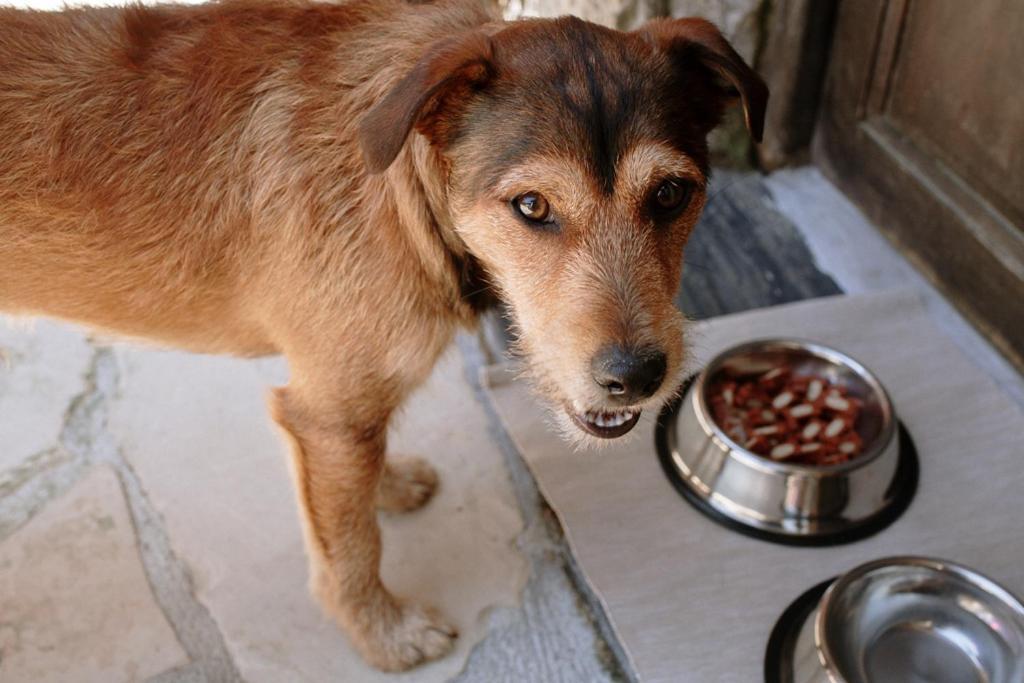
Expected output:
{"points": [[628, 375]]}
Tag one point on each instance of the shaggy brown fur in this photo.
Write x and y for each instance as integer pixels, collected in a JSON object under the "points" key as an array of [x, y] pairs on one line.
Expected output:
{"points": [[338, 183]]}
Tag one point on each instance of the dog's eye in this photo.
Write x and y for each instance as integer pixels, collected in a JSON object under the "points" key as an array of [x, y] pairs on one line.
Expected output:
{"points": [[671, 196], [532, 206]]}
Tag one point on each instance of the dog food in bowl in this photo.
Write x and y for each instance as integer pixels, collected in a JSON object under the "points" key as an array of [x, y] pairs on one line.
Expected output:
{"points": [[797, 418], [797, 498]]}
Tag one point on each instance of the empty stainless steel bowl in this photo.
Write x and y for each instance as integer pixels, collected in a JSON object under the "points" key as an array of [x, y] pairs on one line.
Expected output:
{"points": [[776, 499], [912, 620]]}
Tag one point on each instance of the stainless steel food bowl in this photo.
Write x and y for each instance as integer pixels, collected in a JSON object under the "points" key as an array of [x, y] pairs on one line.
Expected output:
{"points": [[912, 620], [779, 499]]}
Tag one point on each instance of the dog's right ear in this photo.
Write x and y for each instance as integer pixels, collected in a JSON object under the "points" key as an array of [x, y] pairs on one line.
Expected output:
{"points": [[424, 98], [693, 39]]}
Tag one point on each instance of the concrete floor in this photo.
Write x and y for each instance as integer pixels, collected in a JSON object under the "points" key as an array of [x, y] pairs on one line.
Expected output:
{"points": [[147, 530]]}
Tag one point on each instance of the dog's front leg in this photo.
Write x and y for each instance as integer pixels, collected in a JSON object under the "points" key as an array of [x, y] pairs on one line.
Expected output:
{"points": [[338, 461]]}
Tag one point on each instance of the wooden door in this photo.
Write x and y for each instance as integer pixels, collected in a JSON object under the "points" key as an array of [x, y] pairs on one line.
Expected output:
{"points": [[922, 124]]}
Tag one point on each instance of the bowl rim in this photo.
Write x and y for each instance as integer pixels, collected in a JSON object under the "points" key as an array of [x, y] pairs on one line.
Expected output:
{"points": [[939, 566], [820, 350]]}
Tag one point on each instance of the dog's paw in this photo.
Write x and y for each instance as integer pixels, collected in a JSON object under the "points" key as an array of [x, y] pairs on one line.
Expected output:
{"points": [[414, 635], [407, 484]]}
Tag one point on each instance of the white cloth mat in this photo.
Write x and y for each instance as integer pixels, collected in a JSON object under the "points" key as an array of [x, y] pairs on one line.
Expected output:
{"points": [[694, 602]]}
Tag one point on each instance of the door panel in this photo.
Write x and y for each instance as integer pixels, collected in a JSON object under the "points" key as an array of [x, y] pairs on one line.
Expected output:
{"points": [[922, 124], [958, 90]]}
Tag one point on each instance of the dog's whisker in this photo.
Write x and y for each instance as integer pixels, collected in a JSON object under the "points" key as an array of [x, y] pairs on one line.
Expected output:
{"points": [[720, 191], [477, 292], [689, 263]]}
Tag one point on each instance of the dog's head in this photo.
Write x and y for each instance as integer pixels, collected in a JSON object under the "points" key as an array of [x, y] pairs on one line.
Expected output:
{"points": [[577, 166]]}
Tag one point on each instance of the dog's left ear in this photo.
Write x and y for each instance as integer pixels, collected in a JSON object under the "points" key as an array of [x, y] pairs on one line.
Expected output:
{"points": [[448, 72], [698, 38]]}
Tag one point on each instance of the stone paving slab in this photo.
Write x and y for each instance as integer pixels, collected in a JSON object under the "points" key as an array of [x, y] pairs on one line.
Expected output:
{"points": [[75, 605], [42, 367], [195, 430]]}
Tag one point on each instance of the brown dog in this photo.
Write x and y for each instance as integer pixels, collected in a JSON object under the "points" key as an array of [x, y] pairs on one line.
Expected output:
{"points": [[344, 184]]}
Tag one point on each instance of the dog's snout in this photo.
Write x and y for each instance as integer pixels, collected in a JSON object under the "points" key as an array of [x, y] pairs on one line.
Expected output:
{"points": [[628, 375]]}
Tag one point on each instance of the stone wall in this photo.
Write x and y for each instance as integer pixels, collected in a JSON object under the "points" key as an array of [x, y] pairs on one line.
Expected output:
{"points": [[622, 14]]}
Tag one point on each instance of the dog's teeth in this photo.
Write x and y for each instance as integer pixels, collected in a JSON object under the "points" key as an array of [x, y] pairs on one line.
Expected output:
{"points": [[608, 420], [618, 419]]}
